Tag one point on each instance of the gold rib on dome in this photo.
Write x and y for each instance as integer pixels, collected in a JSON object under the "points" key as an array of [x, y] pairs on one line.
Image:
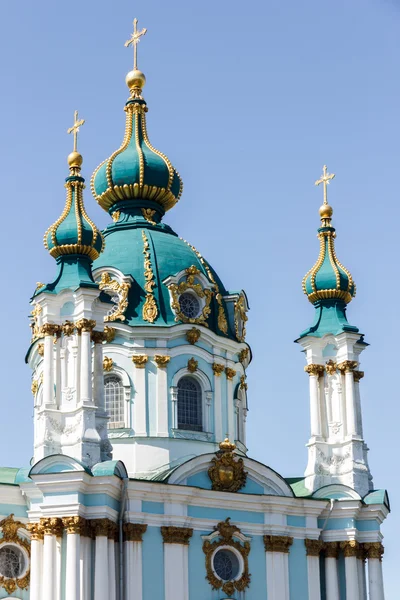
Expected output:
{"points": [[338, 281], [141, 182]]}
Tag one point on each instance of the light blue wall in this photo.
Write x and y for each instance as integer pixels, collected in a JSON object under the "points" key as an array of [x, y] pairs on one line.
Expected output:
{"points": [[257, 570], [370, 525], [153, 564], [199, 588], [295, 521], [220, 514], [336, 524], [155, 508], [16, 509], [298, 575]]}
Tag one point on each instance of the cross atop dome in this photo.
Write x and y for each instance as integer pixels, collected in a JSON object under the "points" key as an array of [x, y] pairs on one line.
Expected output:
{"points": [[134, 40]]}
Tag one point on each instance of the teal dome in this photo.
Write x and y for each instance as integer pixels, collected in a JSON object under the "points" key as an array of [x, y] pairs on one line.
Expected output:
{"points": [[136, 171], [150, 256]]}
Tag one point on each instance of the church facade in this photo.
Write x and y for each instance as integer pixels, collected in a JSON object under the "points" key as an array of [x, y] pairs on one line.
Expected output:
{"points": [[140, 486]]}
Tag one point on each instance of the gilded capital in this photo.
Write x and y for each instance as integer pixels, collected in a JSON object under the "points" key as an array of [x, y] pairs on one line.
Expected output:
{"points": [[331, 367], [218, 369], [109, 333], [331, 549], [192, 365], [113, 531], [243, 354], [347, 366], [140, 360], [176, 535], [98, 337], [108, 363], [358, 375], [313, 547], [314, 369], [68, 328], [100, 526], [36, 531], [133, 532], [162, 360], [52, 526], [350, 548], [277, 543], [193, 335], [85, 325], [230, 373], [374, 550], [49, 329], [74, 524]]}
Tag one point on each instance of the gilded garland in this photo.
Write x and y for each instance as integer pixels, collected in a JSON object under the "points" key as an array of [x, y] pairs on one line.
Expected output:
{"points": [[10, 529], [190, 284], [121, 291], [150, 310], [227, 473], [227, 532]]}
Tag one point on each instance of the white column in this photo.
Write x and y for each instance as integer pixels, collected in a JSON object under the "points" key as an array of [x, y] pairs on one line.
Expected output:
{"points": [[139, 401], [57, 595], [219, 434], [48, 366], [174, 402], [314, 372], [277, 563], [162, 400], [101, 588], [73, 526], [133, 535], [98, 376], [331, 571], [86, 565], [230, 408], [374, 552], [36, 561], [357, 376], [207, 415], [176, 562], [86, 396], [52, 527], [112, 583], [347, 367], [314, 548], [351, 550], [361, 578], [57, 368]]}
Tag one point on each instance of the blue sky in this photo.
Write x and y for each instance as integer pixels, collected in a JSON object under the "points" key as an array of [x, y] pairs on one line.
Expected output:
{"points": [[249, 100]]}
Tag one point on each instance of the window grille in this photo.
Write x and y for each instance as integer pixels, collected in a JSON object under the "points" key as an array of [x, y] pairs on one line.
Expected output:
{"points": [[12, 562], [189, 405], [114, 399]]}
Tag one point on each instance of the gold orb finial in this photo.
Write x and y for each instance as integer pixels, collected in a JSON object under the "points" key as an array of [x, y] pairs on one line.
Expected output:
{"points": [[75, 160], [325, 211], [135, 80]]}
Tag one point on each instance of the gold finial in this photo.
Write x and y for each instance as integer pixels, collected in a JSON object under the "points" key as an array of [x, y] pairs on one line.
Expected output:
{"points": [[226, 445], [325, 210], [135, 39], [75, 159]]}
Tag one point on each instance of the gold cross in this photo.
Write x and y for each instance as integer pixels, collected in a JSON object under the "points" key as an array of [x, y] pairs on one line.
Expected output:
{"points": [[135, 39], [325, 178], [75, 128]]}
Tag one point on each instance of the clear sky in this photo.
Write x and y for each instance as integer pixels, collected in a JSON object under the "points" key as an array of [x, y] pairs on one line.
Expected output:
{"points": [[249, 100]]}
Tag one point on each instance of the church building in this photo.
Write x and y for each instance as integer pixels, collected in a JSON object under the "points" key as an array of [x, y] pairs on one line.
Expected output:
{"points": [[140, 486]]}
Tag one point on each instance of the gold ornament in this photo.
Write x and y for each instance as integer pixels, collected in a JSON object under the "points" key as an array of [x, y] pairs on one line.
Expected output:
{"points": [[148, 214], [85, 325], [116, 215], [108, 364], [227, 533], [226, 473], [98, 337], [347, 366], [150, 310], [374, 550], [176, 535], [36, 329], [331, 367], [193, 335], [315, 370], [230, 373], [277, 543], [52, 526], [192, 365], [40, 349], [218, 369], [331, 549], [140, 360], [161, 360], [121, 289], [109, 334], [101, 527], [134, 40], [74, 524], [133, 532], [358, 375], [49, 329], [243, 354], [34, 387], [190, 284], [68, 328], [313, 547], [243, 384], [240, 317], [350, 548]]}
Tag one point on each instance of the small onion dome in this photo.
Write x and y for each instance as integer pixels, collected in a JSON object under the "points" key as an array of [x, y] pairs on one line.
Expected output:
{"points": [[328, 278], [136, 171], [74, 232]]}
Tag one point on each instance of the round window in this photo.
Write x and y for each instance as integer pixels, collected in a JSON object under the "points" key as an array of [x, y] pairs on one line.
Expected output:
{"points": [[189, 305], [12, 561], [226, 564]]}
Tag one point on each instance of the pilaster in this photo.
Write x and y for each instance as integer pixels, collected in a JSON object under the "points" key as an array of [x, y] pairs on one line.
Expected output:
{"points": [[176, 561]]}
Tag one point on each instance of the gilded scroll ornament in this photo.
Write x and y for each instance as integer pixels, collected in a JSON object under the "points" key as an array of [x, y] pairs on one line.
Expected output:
{"points": [[192, 365], [193, 335], [218, 369], [243, 354], [240, 318], [227, 472], [161, 360], [35, 321], [277, 543], [140, 360], [230, 373], [314, 370], [133, 532], [176, 535], [109, 334], [331, 367], [313, 547], [190, 283], [120, 293], [116, 215], [150, 310], [108, 364], [347, 366], [226, 537], [148, 214]]}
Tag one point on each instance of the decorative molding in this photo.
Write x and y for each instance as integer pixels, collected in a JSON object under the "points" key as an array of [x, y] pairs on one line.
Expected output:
{"points": [[230, 373], [150, 310], [85, 325], [218, 369], [226, 533], [162, 360], [101, 527], [74, 524], [350, 547], [140, 360], [109, 333], [192, 365], [243, 354], [331, 367], [347, 366], [314, 369], [227, 473], [331, 549], [193, 335], [190, 284], [108, 363], [122, 290], [133, 532], [374, 550], [277, 543], [313, 547], [36, 531], [10, 529], [176, 535], [240, 318], [358, 375], [52, 526], [68, 328], [49, 329], [243, 384]]}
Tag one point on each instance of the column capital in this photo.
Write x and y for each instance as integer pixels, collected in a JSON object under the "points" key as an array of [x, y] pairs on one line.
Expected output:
{"points": [[176, 535], [113, 531], [277, 543], [98, 337], [100, 526], [358, 375], [313, 547], [74, 524], [140, 360], [52, 526], [36, 531], [109, 333], [162, 360], [331, 549], [85, 325], [230, 373], [133, 532], [218, 369], [314, 369], [347, 366], [49, 329], [350, 548], [68, 328], [374, 550], [330, 367]]}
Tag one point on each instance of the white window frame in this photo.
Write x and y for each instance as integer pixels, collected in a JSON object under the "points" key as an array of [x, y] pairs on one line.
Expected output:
{"points": [[126, 384], [206, 400]]}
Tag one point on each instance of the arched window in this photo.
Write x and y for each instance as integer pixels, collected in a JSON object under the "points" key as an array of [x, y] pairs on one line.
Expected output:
{"points": [[114, 399], [189, 405]]}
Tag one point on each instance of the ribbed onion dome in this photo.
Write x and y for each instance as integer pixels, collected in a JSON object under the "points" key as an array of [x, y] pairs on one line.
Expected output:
{"points": [[74, 233], [328, 278], [136, 171]]}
